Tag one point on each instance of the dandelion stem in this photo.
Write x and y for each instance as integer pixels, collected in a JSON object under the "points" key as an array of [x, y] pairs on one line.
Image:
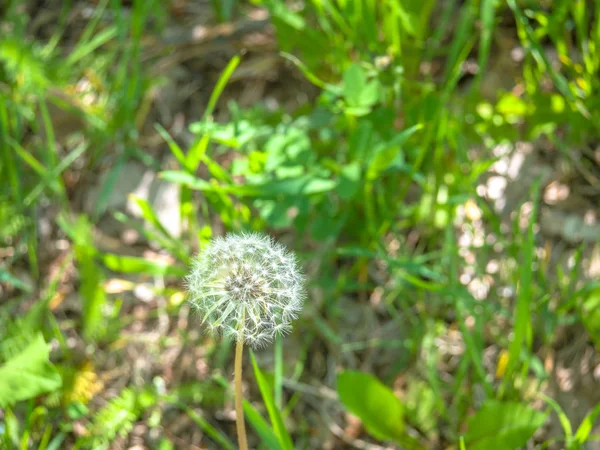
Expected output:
{"points": [[239, 411]]}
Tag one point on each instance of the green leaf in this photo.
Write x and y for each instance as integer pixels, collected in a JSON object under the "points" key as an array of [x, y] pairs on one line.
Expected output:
{"points": [[132, 264], [210, 431], [149, 214], [117, 417], [349, 180], [360, 96], [390, 154], [262, 428], [374, 403], [197, 152], [92, 279], [502, 426], [310, 76], [565, 423], [488, 16], [522, 327], [303, 185], [7, 277], [358, 110], [584, 430], [181, 177], [28, 374], [173, 146], [100, 38], [590, 315], [370, 94], [511, 105], [285, 441], [220, 86], [354, 84]]}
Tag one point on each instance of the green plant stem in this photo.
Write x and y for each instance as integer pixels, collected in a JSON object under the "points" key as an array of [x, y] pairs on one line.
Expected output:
{"points": [[239, 411]]}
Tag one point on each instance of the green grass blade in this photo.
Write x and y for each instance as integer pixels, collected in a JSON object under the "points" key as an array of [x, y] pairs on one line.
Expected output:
{"points": [[562, 417], [474, 349], [463, 36], [278, 379], [173, 146], [133, 264], [585, 428], [274, 414], [28, 158], [221, 83], [149, 214], [488, 17], [543, 62], [54, 174], [210, 431], [51, 153], [522, 315], [82, 50], [197, 152], [261, 426]]}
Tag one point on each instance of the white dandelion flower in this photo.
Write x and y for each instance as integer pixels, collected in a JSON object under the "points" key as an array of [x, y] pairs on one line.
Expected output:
{"points": [[247, 287]]}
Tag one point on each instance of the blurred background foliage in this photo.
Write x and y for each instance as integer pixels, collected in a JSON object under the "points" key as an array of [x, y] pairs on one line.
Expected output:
{"points": [[434, 164]]}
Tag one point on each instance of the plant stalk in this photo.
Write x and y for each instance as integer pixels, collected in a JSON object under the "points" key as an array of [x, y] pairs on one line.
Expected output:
{"points": [[239, 410]]}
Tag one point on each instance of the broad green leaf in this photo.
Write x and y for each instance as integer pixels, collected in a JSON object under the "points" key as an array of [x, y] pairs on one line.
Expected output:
{"points": [[374, 403], [28, 374], [354, 84], [285, 441], [370, 94], [502, 426]]}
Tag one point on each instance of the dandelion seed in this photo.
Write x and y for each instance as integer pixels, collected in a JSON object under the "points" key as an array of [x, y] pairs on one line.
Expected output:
{"points": [[246, 287]]}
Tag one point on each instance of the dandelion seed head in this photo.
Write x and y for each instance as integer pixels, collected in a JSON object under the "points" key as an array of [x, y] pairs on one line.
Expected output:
{"points": [[246, 286]]}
